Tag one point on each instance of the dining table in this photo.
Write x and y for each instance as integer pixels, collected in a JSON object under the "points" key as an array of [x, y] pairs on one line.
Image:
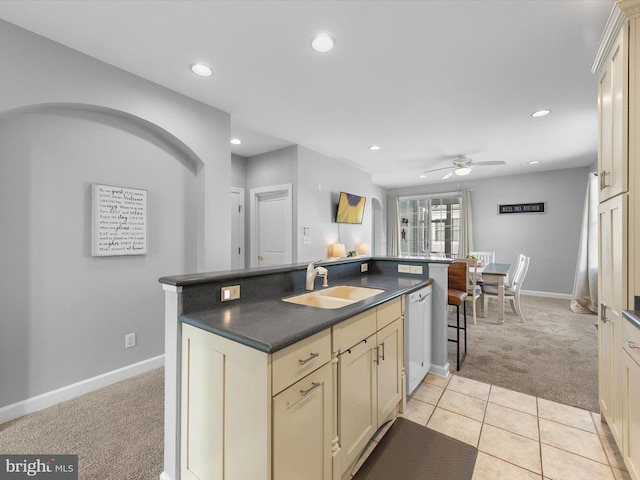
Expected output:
{"points": [[496, 273]]}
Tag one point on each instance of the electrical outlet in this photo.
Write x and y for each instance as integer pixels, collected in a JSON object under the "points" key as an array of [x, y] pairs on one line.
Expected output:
{"points": [[417, 269], [130, 340], [404, 269], [364, 267], [230, 293]]}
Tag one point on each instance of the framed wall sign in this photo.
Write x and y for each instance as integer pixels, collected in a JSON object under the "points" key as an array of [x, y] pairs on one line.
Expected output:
{"points": [[538, 207], [118, 220]]}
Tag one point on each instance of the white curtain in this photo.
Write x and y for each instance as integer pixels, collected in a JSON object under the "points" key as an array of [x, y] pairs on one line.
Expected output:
{"points": [[585, 286], [466, 230], [395, 228]]}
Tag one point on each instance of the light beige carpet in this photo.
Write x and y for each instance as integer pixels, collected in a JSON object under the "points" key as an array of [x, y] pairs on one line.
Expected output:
{"points": [[554, 355], [116, 431]]}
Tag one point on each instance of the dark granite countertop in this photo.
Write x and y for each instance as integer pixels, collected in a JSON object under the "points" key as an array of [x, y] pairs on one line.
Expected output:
{"points": [[633, 316], [268, 324]]}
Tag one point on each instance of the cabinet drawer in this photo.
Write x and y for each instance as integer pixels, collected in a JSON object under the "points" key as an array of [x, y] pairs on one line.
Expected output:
{"points": [[389, 311], [346, 334], [631, 339], [300, 359]]}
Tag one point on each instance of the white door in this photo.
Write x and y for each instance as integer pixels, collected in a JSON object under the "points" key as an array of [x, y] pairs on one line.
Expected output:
{"points": [[237, 228], [272, 221]]}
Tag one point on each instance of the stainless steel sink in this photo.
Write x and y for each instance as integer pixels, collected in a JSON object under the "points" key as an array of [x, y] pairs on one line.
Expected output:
{"points": [[334, 297]]}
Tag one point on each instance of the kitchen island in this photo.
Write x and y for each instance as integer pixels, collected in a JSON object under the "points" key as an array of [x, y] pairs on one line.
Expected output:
{"points": [[251, 334]]}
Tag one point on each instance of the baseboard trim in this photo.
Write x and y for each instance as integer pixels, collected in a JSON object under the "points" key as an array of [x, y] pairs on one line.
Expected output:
{"points": [[533, 293], [39, 402], [443, 371]]}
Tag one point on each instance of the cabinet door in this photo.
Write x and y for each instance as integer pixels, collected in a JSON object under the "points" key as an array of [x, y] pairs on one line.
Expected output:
{"points": [[631, 378], [613, 112], [357, 387], [225, 400], [612, 292], [302, 428], [389, 369]]}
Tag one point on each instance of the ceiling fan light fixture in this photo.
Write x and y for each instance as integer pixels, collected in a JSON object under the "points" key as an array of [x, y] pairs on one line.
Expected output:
{"points": [[462, 171]]}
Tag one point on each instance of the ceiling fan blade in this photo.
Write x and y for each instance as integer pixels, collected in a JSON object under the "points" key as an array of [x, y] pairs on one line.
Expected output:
{"points": [[437, 169], [497, 162], [447, 175]]}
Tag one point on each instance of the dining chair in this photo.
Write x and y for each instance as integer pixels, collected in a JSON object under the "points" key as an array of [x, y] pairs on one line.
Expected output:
{"points": [[458, 280], [512, 291], [474, 291], [484, 258]]}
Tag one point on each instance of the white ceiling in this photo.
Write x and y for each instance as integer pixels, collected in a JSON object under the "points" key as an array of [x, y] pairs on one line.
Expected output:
{"points": [[425, 80]]}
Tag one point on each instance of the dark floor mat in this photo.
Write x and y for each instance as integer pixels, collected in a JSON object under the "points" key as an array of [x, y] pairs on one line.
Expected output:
{"points": [[409, 451]]}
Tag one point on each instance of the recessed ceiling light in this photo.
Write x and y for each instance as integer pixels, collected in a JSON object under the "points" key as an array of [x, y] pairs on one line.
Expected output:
{"points": [[533, 162], [374, 147], [422, 176], [201, 70], [541, 113], [323, 43], [236, 141]]}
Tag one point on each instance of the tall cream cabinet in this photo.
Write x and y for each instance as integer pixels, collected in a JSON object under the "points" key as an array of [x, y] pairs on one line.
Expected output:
{"points": [[612, 296], [617, 64], [302, 411]]}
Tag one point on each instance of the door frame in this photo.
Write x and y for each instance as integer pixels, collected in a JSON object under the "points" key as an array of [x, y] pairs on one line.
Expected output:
{"points": [[240, 191], [254, 198]]}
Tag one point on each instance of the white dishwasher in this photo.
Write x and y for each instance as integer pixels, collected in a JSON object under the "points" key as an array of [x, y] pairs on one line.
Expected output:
{"points": [[417, 337]]}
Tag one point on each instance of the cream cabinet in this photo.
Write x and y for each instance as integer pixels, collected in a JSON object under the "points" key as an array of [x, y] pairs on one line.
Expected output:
{"points": [[613, 112], [631, 398], [246, 414], [302, 426], [617, 64], [370, 376], [612, 290]]}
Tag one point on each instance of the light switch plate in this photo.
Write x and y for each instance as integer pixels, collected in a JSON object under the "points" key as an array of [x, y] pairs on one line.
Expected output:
{"points": [[404, 269], [364, 267], [416, 269]]}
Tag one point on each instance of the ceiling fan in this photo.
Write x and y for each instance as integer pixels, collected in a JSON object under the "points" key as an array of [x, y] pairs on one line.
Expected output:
{"points": [[463, 165]]}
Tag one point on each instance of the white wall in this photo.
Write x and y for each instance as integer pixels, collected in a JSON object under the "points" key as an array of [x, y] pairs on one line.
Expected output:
{"points": [[238, 171], [320, 181], [550, 239], [67, 120]]}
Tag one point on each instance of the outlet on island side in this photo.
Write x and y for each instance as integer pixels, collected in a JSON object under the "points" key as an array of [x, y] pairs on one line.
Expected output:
{"points": [[230, 293], [130, 340], [364, 267]]}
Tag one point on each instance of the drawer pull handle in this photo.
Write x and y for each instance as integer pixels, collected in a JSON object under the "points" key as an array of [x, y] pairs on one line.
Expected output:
{"points": [[307, 360], [382, 354], [631, 344], [313, 386]]}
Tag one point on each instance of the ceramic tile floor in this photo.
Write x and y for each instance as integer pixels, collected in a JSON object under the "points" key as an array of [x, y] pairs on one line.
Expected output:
{"points": [[519, 437]]}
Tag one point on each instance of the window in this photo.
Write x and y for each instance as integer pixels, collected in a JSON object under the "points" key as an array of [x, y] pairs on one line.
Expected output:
{"points": [[430, 224]]}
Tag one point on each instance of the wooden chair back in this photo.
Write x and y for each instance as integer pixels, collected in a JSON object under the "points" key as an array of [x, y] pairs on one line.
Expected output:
{"points": [[458, 276]]}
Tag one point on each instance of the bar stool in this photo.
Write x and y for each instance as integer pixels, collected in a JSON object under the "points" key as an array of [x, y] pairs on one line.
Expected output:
{"points": [[457, 295]]}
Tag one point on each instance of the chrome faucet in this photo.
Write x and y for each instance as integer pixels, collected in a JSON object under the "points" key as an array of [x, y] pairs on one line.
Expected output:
{"points": [[313, 272]]}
